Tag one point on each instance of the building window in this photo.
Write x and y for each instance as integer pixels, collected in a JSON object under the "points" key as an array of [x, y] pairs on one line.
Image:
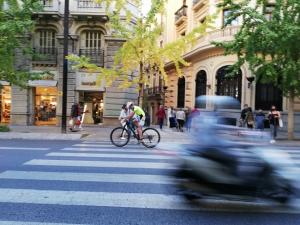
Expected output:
{"points": [[226, 14], [267, 95], [47, 38], [229, 85], [91, 42], [268, 11], [45, 46], [47, 3], [88, 4], [181, 92], [201, 80]]}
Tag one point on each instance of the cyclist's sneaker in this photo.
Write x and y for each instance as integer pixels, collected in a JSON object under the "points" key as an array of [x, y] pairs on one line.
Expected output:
{"points": [[123, 138]]}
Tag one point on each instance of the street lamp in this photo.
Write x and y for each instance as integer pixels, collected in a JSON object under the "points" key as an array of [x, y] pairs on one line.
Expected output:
{"points": [[65, 69]]}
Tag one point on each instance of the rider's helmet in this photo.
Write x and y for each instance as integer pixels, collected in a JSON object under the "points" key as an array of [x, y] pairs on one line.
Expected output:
{"points": [[129, 105]]}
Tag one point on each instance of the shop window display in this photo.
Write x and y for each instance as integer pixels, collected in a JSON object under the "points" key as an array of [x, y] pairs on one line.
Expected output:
{"points": [[46, 104], [5, 104]]}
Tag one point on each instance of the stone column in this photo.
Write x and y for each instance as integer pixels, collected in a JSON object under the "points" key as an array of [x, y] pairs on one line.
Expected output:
{"points": [[114, 97], [71, 80], [21, 107]]}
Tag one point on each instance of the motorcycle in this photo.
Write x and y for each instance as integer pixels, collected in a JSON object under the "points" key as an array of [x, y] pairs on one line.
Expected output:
{"points": [[214, 165]]}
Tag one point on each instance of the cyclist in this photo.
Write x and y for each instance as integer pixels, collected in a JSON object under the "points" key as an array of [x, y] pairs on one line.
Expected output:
{"points": [[137, 115]]}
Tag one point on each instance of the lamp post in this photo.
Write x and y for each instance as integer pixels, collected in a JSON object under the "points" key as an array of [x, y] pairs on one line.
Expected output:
{"points": [[65, 69]]}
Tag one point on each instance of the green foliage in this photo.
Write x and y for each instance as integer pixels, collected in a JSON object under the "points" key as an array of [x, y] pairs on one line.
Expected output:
{"points": [[15, 23], [140, 55], [269, 45], [4, 128]]}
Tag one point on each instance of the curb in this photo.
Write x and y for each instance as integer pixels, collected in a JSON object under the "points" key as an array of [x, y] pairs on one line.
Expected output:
{"points": [[40, 136]]}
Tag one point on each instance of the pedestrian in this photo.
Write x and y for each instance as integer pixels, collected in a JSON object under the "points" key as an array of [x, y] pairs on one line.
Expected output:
{"points": [[194, 113], [123, 115], [147, 119], [243, 116], [95, 111], [75, 117], [172, 118], [180, 116], [249, 118], [274, 117], [259, 120], [161, 115]]}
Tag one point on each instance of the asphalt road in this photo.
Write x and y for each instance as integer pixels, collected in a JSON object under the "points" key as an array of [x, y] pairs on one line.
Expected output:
{"points": [[63, 182]]}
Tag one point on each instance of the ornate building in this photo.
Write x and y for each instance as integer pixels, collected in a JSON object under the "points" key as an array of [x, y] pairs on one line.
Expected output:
{"points": [[40, 104], [206, 74]]}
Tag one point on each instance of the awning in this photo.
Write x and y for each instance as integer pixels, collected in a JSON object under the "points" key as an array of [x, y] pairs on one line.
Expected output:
{"points": [[4, 83], [42, 83]]}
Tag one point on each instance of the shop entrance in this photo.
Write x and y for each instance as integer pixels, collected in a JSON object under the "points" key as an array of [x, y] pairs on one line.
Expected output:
{"points": [[93, 103], [45, 105], [5, 104]]}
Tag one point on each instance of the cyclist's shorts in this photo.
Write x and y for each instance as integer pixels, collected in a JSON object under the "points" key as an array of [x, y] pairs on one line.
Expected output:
{"points": [[140, 120]]}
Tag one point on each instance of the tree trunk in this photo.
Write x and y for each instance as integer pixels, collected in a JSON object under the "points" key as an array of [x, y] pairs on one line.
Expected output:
{"points": [[291, 117], [141, 85]]}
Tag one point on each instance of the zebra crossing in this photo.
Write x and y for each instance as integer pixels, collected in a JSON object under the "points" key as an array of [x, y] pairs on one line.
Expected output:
{"points": [[97, 174]]}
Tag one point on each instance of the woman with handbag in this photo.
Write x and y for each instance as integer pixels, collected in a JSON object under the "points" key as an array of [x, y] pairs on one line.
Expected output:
{"points": [[249, 118], [274, 117]]}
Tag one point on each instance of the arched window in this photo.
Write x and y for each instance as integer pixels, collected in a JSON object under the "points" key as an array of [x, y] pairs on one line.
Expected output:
{"points": [[267, 95], [181, 92], [91, 44], [201, 86], [44, 46], [229, 85]]}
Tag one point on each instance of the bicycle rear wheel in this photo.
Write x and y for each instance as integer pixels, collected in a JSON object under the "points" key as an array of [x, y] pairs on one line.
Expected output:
{"points": [[119, 136], [151, 137]]}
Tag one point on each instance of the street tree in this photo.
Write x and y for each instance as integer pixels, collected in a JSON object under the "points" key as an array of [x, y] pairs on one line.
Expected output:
{"points": [[15, 23], [141, 53], [268, 40]]}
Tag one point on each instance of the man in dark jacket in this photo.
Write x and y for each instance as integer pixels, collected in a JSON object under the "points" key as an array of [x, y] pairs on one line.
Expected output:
{"points": [[243, 115]]}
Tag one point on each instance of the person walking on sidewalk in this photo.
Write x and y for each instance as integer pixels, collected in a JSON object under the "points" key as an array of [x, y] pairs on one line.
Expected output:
{"points": [[161, 115], [274, 117], [75, 117], [249, 118], [180, 116], [243, 116], [172, 117], [259, 120]]}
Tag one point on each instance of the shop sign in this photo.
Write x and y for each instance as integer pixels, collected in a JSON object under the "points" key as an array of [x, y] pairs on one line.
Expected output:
{"points": [[4, 83], [42, 83], [88, 82]]}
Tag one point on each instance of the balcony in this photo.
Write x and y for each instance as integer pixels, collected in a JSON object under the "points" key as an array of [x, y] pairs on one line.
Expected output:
{"points": [[96, 55], [158, 90], [181, 15], [84, 9], [44, 55], [50, 5]]}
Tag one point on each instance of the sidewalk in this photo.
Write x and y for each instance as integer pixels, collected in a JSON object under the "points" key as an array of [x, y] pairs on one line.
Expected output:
{"points": [[101, 133]]}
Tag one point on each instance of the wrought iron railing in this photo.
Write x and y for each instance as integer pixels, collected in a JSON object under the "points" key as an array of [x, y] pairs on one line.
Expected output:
{"points": [[181, 12], [45, 55], [47, 3], [88, 4], [155, 90], [96, 55]]}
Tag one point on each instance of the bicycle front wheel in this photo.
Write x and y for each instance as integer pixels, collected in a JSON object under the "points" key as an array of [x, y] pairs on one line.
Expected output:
{"points": [[151, 137], [119, 136]]}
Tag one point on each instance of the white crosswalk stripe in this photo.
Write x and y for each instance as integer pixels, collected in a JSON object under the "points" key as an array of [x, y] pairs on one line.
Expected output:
{"points": [[24, 148], [106, 164], [89, 177], [102, 155], [98, 155]]}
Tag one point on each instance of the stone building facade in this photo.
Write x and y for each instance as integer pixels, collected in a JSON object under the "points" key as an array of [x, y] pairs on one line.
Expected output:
{"points": [[206, 74], [40, 104]]}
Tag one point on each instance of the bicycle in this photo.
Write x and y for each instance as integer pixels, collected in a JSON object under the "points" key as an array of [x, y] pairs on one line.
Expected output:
{"points": [[120, 136]]}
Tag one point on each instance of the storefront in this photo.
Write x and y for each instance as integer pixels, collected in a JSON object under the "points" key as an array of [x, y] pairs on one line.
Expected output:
{"points": [[45, 102], [5, 103], [91, 97]]}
